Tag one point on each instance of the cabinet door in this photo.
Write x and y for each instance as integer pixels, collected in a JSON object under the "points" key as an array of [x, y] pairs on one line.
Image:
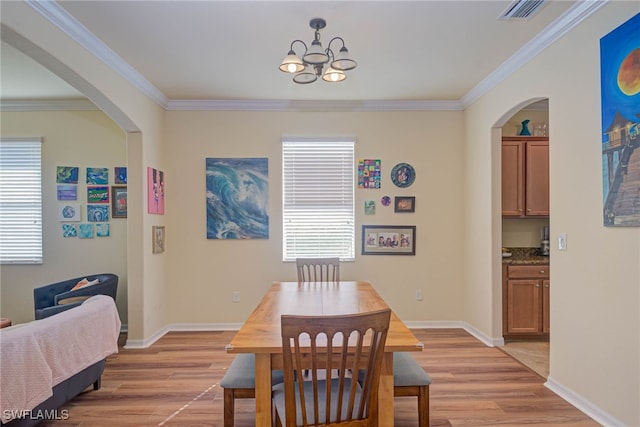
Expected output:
{"points": [[537, 178], [512, 178], [523, 305], [546, 288]]}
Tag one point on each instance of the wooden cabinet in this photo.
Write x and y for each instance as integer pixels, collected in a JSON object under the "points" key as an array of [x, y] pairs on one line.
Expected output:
{"points": [[525, 176], [525, 302]]}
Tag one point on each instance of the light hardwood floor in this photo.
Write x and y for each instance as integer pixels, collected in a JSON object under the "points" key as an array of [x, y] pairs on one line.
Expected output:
{"points": [[175, 382]]}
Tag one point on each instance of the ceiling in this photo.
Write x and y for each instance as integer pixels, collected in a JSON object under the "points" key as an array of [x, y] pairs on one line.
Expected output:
{"points": [[230, 50]]}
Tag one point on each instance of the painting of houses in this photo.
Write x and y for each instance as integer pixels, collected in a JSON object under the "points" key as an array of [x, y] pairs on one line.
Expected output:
{"points": [[620, 80]]}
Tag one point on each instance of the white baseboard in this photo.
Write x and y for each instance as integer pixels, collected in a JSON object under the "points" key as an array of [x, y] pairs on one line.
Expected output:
{"points": [[457, 324], [184, 327], [582, 404]]}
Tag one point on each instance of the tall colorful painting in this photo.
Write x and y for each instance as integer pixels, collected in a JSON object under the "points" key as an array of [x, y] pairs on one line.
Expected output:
{"points": [[237, 198], [155, 191], [620, 85]]}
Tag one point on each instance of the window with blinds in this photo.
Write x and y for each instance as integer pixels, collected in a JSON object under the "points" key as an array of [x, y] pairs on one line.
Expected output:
{"points": [[20, 201], [317, 198]]}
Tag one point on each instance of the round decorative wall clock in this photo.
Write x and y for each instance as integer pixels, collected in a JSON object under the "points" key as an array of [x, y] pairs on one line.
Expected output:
{"points": [[386, 201], [403, 175]]}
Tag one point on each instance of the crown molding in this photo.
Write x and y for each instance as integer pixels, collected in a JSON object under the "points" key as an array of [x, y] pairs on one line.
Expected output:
{"points": [[47, 105], [313, 105], [554, 31], [57, 15]]}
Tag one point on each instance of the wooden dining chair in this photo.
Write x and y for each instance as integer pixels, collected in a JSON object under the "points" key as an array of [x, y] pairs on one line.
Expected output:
{"points": [[318, 269], [330, 346], [239, 382]]}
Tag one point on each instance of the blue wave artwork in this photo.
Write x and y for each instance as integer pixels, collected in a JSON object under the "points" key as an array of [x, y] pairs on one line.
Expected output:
{"points": [[237, 198]]}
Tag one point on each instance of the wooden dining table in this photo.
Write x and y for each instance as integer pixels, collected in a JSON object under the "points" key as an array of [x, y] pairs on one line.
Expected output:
{"points": [[260, 333]]}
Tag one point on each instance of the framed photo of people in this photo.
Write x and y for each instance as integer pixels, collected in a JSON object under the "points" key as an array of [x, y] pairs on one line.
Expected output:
{"points": [[388, 240]]}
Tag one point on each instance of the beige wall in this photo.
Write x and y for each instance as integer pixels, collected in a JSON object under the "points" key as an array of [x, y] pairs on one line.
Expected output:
{"points": [[70, 138], [203, 273], [595, 284], [134, 112]]}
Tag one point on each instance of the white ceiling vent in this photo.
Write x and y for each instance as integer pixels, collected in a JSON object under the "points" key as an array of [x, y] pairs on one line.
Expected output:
{"points": [[521, 10]]}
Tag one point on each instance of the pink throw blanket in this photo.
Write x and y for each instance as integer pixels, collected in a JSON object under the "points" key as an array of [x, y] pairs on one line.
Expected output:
{"points": [[39, 355]]}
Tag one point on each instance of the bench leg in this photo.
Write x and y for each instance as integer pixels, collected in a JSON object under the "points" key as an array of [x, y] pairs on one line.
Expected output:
{"points": [[229, 409], [423, 406]]}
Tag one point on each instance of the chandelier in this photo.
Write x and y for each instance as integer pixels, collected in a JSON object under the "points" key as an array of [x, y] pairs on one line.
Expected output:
{"points": [[311, 65]]}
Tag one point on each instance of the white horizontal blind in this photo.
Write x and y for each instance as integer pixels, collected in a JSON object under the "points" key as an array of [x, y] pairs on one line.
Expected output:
{"points": [[317, 195], [20, 201]]}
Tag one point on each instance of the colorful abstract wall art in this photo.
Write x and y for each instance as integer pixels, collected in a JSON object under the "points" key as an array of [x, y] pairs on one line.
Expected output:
{"points": [[98, 194], [97, 176], [620, 91], [120, 176], [67, 192], [155, 191], [369, 174], [97, 213], [69, 212], [237, 198], [67, 174]]}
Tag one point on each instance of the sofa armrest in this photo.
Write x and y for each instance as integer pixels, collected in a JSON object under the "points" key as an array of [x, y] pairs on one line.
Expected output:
{"points": [[43, 296]]}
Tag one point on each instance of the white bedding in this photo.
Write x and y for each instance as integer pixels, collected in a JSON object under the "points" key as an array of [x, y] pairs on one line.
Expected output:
{"points": [[37, 356]]}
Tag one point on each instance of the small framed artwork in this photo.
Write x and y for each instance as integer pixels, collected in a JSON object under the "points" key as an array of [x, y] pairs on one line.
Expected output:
{"points": [[157, 232], [404, 204], [98, 194], [119, 201], [69, 212], [388, 240], [67, 174], [369, 207], [97, 213]]}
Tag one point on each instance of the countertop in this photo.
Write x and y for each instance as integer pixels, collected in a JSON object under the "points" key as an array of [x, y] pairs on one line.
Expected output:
{"points": [[524, 256]]}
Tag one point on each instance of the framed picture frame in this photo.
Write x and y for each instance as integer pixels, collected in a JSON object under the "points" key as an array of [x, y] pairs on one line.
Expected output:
{"points": [[404, 204], [388, 240], [119, 201], [157, 233]]}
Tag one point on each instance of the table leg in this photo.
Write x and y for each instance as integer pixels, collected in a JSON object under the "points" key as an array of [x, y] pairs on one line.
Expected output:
{"points": [[263, 390], [385, 392]]}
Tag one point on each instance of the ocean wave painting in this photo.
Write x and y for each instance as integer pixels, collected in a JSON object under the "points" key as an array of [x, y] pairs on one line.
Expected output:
{"points": [[237, 198]]}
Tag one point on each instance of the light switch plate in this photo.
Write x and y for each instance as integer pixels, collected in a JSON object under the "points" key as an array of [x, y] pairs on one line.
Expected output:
{"points": [[562, 241]]}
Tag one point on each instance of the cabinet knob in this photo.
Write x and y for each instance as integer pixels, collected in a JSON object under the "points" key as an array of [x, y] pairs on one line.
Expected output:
{"points": [[538, 285], [528, 210], [542, 272], [546, 286]]}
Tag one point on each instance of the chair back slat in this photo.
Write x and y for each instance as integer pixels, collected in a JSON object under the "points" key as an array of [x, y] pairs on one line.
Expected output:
{"points": [[318, 269], [334, 350]]}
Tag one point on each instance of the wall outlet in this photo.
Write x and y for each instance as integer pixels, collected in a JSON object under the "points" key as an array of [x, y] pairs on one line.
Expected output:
{"points": [[418, 294], [235, 296]]}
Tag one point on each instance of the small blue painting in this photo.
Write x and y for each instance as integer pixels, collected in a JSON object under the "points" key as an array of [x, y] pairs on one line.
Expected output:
{"points": [[69, 230], [120, 175], [237, 198], [67, 174], [97, 176], [103, 230], [97, 213], [67, 192], [85, 231]]}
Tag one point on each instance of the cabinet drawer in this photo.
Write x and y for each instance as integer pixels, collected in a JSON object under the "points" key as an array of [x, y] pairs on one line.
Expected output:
{"points": [[528, 271]]}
